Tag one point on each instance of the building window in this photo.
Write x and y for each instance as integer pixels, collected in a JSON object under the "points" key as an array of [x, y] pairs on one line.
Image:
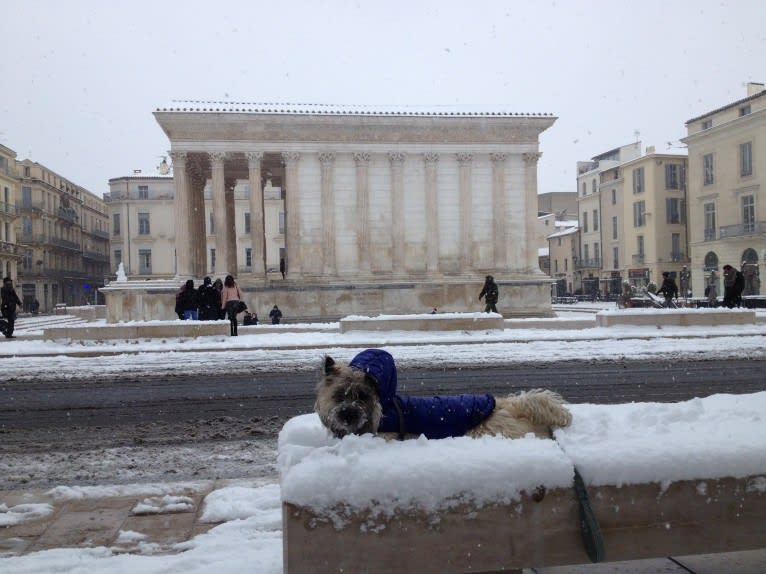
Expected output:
{"points": [[596, 253], [707, 124], [707, 164], [748, 213], [585, 222], [115, 224], [614, 227], [584, 188], [143, 192], [675, 247], [145, 261], [709, 212], [566, 264], [555, 265], [614, 197], [143, 224], [640, 245], [746, 159], [676, 210], [559, 242], [117, 257], [639, 214], [247, 223], [593, 186], [212, 258], [595, 220], [282, 222], [26, 226], [26, 171], [212, 224], [671, 176], [248, 257], [586, 252], [744, 110], [638, 180], [616, 255]]}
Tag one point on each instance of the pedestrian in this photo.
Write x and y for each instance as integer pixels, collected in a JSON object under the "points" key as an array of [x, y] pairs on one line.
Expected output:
{"points": [[282, 266], [218, 285], [711, 291], [733, 284], [275, 315], [9, 302], [250, 318], [231, 301], [187, 302], [490, 293], [668, 288], [209, 301], [35, 307]]}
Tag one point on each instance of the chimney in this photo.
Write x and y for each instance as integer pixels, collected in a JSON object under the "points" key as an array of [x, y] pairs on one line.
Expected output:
{"points": [[754, 88], [649, 150]]}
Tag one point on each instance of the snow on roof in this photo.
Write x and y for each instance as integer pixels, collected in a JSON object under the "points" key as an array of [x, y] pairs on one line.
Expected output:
{"points": [[564, 232], [208, 106], [700, 439]]}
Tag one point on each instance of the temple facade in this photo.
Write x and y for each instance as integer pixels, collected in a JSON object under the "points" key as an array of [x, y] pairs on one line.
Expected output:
{"points": [[385, 210]]}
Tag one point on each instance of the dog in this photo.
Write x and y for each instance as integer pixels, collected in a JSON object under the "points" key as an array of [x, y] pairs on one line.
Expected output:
{"points": [[361, 398]]}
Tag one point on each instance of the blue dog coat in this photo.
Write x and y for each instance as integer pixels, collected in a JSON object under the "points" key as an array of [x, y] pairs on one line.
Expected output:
{"points": [[434, 417]]}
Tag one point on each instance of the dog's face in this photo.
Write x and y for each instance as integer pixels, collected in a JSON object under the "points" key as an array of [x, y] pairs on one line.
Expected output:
{"points": [[347, 400]]}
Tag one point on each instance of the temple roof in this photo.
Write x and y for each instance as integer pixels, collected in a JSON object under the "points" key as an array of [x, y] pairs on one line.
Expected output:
{"points": [[208, 106]]}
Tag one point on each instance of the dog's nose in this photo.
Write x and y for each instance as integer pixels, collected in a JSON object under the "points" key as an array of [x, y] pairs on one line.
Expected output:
{"points": [[349, 415]]}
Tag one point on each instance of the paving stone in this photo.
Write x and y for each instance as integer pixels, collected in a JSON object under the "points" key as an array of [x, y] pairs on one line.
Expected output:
{"points": [[162, 528], [745, 562], [14, 546], [652, 566], [82, 529]]}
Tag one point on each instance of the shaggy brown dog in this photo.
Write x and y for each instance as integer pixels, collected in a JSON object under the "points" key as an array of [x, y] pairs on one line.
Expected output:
{"points": [[360, 398]]}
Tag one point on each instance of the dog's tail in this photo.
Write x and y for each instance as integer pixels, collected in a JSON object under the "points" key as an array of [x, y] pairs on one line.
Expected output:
{"points": [[543, 407]]}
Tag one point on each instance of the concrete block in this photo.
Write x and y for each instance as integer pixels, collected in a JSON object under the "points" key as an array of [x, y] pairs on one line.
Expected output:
{"points": [[445, 322], [675, 317]]}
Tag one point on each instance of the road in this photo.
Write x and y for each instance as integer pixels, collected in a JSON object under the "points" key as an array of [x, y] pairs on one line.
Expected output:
{"points": [[48, 427]]}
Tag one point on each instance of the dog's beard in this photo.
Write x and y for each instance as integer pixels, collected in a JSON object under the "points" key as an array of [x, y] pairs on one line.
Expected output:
{"points": [[348, 418]]}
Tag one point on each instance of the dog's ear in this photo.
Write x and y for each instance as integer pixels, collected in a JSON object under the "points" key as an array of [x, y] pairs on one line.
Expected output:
{"points": [[370, 380], [329, 364]]}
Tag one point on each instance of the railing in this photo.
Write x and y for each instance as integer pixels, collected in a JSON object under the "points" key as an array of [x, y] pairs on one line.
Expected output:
{"points": [[638, 257], [7, 208], [710, 234], [95, 256], [677, 257], [30, 206], [7, 248], [742, 229], [100, 233], [32, 238], [67, 214], [65, 243], [588, 264]]}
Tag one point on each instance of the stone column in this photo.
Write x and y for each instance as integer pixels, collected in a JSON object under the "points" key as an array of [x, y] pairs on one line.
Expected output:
{"points": [[292, 214], [219, 215], [364, 265], [465, 210], [499, 238], [432, 212], [530, 206], [257, 232], [231, 226], [327, 162], [397, 213], [196, 174], [182, 217]]}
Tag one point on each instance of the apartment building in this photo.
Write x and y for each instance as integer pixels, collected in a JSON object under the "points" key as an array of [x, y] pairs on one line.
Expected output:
{"points": [[563, 250], [588, 260], [727, 190], [10, 253], [142, 213], [61, 230]]}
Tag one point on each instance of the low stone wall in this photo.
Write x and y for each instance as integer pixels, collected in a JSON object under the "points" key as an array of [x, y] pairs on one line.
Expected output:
{"points": [[448, 322], [170, 329], [675, 317]]}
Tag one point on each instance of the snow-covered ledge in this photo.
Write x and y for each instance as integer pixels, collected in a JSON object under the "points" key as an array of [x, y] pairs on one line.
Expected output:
{"points": [[424, 322], [676, 317], [663, 479]]}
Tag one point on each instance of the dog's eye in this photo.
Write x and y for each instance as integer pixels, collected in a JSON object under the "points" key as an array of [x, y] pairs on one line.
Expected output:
{"points": [[362, 396]]}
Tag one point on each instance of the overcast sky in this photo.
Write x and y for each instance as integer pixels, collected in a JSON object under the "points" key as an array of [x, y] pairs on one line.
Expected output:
{"points": [[82, 77]]}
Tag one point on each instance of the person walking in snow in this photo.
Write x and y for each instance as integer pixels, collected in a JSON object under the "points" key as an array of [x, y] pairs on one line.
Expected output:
{"points": [[733, 284], [275, 315], [187, 303], [9, 302], [490, 293], [231, 297], [209, 301], [668, 288]]}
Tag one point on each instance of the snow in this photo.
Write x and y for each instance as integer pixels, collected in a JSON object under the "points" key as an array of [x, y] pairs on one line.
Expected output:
{"points": [[701, 439]]}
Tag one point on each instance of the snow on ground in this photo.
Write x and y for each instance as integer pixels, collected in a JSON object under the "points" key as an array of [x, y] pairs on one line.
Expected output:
{"points": [[250, 539]]}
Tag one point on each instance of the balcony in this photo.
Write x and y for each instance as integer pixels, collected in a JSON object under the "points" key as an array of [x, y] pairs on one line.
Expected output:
{"points": [[95, 256], [100, 233], [638, 258], [32, 239], [743, 229], [30, 206], [65, 244], [588, 264], [677, 256], [68, 214], [10, 249], [710, 234], [7, 208]]}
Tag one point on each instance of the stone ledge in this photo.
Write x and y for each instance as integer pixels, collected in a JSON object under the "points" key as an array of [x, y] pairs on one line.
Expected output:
{"points": [[637, 521], [170, 329], [676, 317], [446, 322]]}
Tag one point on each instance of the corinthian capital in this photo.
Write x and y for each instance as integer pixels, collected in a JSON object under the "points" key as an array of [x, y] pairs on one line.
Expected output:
{"points": [[396, 157], [216, 158], [326, 157], [254, 158], [463, 157], [531, 158], [361, 157], [430, 157], [498, 157], [178, 157], [290, 157]]}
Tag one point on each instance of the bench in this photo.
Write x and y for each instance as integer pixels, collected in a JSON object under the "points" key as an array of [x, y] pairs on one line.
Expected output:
{"points": [[59, 309], [365, 505]]}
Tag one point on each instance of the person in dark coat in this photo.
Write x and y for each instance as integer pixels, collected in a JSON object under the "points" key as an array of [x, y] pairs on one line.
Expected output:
{"points": [[490, 293], [187, 303], [733, 285], [275, 315], [668, 288], [218, 286], [209, 301], [9, 301], [435, 417], [282, 267]]}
